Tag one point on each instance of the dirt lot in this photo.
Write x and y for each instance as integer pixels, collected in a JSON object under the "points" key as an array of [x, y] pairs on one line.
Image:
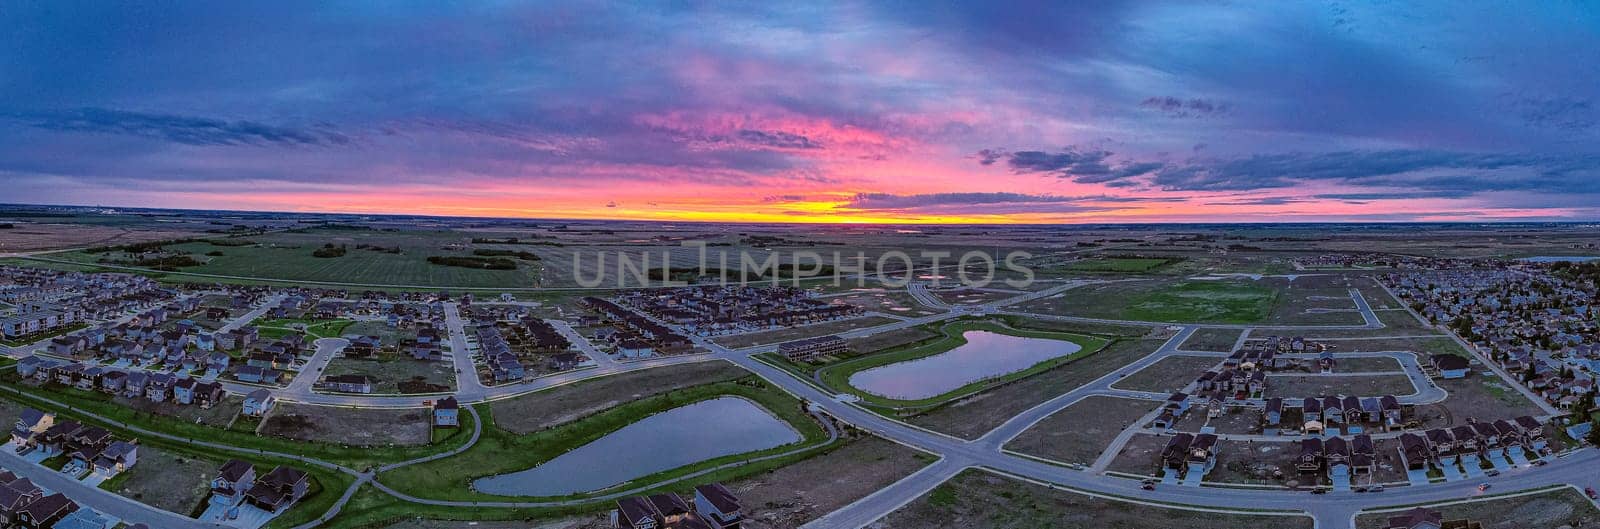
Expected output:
{"points": [[1212, 340], [390, 335], [168, 481], [1367, 365], [979, 499], [1170, 374], [1254, 463], [897, 302], [736, 341], [788, 497], [218, 416], [894, 338], [1300, 386], [560, 405], [973, 416], [1424, 346], [1486, 398], [349, 426], [969, 296], [1236, 420], [1080, 432], [1141, 456], [389, 373], [1390, 468], [1557, 508]]}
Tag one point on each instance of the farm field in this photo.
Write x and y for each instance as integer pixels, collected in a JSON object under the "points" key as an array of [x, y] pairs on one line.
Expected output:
{"points": [[980, 499], [1117, 264], [1078, 433], [288, 256], [1218, 301]]}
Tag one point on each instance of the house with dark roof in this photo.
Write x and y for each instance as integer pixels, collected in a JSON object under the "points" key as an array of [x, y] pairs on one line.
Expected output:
{"points": [[718, 504], [45, 512], [233, 479], [279, 489]]}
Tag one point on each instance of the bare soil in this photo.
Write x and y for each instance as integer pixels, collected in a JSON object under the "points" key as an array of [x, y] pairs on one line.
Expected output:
{"points": [[349, 426], [1078, 433]]}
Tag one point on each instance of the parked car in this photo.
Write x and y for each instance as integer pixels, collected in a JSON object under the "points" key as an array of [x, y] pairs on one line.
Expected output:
{"points": [[1491, 473], [1590, 492]]}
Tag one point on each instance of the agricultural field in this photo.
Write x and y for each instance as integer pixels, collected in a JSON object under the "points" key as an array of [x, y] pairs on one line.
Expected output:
{"points": [[1125, 265], [980, 499], [371, 257], [1187, 301], [1078, 433]]}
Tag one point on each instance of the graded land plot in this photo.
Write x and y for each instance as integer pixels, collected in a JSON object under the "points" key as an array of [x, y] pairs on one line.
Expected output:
{"points": [[389, 335], [313, 328], [1300, 386], [371, 257], [971, 417], [1423, 346], [1170, 301], [171, 481], [895, 338], [1254, 463], [735, 341], [1372, 364], [897, 302], [1390, 467], [1562, 507], [971, 296], [980, 499], [1103, 329], [1314, 300], [563, 404], [1168, 374], [792, 495], [397, 374], [1212, 340], [1235, 420], [1479, 396], [218, 415], [1140, 456], [1078, 433], [350, 426]]}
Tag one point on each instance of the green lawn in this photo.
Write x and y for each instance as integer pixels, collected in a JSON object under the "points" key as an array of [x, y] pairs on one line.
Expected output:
{"points": [[837, 376], [499, 451]]}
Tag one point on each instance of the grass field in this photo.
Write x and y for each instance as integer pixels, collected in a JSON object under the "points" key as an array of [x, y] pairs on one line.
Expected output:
{"points": [[563, 404], [287, 256], [1219, 301], [748, 339], [837, 376], [1117, 264]]}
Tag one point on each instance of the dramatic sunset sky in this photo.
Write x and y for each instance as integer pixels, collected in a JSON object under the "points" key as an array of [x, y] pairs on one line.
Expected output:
{"points": [[800, 112]]}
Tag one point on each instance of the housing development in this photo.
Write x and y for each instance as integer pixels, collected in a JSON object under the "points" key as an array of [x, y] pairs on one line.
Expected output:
{"points": [[1157, 368], [843, 264]]}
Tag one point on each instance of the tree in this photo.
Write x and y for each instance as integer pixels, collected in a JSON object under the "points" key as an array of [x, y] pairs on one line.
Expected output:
{"points": [[1594, 433]]}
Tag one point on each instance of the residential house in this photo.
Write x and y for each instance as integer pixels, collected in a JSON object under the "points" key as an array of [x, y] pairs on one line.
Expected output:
{"points": [[258, 403], [44, 512], [278, 489], [446, 413], [233, 479]]}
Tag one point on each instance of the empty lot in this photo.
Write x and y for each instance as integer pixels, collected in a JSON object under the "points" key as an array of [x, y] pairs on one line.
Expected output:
{"points": [[1078, 433]]}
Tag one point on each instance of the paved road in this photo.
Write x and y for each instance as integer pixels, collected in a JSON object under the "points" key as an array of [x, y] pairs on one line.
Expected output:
{"points": [[468, 386], [307, 378], [246, 318], [600, 357]]}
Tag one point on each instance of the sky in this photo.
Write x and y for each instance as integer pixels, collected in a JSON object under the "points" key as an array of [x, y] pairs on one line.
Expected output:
{"points": [[904, 112]]}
